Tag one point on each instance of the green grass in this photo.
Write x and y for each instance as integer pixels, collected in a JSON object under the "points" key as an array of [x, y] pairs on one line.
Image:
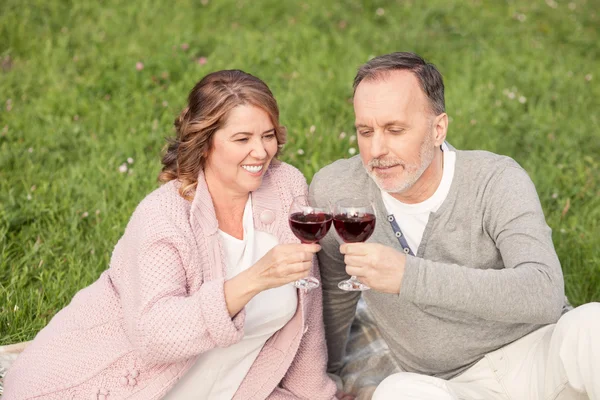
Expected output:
{"points": [[79, 108]]}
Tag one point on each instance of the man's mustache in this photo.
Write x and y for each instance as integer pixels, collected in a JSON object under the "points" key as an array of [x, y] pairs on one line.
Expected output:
{"points": [[384, 163]]}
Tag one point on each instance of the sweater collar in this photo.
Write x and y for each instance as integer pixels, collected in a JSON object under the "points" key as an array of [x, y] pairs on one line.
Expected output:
{"points": [[267, 209]]}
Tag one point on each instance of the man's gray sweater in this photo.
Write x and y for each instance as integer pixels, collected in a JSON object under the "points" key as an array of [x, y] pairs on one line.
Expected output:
{"points": [[485, 274]]}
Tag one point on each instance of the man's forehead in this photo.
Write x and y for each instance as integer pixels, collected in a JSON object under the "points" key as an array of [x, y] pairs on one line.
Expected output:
{"points": [[398, 89], [400, 82]]}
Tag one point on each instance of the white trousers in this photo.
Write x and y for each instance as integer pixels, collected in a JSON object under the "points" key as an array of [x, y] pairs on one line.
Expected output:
{"points": [[557, 362]]}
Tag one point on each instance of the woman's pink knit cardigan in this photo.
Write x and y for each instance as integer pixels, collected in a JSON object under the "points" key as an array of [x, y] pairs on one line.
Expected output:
{"points": [[135, 331]]}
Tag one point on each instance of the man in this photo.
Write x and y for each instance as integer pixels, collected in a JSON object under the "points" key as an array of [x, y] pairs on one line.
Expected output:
{"points": [[466, 287]]}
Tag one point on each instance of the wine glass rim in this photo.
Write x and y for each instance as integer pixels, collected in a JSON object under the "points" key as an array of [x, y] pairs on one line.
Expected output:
{"points": [[322, 208], [365, 202]]}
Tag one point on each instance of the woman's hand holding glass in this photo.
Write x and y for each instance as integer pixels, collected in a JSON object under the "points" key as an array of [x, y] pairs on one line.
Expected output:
{"points": [[310, 224], [283, 264]]}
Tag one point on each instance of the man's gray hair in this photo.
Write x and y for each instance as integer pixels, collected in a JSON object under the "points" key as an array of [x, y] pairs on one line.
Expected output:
{"points": [[429, 77]]}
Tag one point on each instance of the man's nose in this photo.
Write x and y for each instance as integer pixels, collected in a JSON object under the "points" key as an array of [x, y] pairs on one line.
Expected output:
{"points": [[378, 145]]}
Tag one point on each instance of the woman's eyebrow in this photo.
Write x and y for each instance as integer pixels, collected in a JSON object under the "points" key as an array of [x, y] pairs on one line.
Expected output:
{"points": [[250, 133]]}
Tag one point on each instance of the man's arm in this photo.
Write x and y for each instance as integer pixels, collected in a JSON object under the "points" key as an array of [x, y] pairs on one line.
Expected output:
{"points": [[529, 289], [339, 306]]}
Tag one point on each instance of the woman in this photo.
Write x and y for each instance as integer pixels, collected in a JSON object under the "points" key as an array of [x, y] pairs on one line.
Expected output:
{"points": [[197, 302]]}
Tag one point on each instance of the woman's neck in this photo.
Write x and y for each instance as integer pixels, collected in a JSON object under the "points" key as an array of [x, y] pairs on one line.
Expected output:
{"points": [[229, 207]]}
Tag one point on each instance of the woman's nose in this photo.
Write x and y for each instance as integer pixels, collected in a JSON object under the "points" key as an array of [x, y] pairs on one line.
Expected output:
{"points": [[258, 150]]}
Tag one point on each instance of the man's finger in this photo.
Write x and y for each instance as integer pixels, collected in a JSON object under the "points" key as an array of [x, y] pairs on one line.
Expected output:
{"points": [[355, 261], [355, 248], [354, 271]]}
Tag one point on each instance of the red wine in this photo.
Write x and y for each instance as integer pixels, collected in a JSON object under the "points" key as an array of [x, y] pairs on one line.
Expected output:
{"points": [[354, 229], [310, 228]]}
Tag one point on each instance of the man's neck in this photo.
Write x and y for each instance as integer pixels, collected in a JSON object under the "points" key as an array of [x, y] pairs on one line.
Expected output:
{"points": [[427, 184]]}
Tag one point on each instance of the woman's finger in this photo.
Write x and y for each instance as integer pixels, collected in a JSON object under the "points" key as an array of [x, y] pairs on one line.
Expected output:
{"points": [[299, 247], [299, 257], [295, 277], [297, 268]]}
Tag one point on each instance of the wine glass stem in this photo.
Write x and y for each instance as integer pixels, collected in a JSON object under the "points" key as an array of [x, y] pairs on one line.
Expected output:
{"points": [[307, 283]]}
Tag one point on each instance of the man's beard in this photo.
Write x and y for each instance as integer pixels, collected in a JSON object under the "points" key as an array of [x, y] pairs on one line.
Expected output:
{"points": [[412, 171]]}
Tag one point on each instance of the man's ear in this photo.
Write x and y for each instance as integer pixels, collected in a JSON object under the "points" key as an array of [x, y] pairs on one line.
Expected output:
{"points": [[440, 125]]}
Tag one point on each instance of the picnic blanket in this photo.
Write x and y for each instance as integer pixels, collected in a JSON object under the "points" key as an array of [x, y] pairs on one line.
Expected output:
{"points": [[368, 360], [8, 354]]}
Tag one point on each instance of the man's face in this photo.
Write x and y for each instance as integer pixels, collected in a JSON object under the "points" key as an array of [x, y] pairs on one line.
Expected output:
{"points": [[396, 130]]}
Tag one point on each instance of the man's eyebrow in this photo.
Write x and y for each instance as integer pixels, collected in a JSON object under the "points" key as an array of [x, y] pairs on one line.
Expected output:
{"points": [[396, 122], [391, 123]]}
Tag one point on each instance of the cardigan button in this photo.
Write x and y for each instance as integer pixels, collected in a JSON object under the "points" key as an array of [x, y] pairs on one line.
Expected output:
{"points": [[100, 394], [267, 217], [123, 381]]}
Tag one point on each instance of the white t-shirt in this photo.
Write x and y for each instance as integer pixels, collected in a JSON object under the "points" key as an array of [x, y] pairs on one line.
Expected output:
{"points": [[218, 373], [412, 218]]}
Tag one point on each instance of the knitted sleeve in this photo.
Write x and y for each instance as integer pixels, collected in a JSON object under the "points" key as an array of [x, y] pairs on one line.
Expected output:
{"points": [[165, 322]]}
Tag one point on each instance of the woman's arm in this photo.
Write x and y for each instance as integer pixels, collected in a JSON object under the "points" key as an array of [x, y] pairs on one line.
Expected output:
{"points": [[283, 264], [164, 321]]}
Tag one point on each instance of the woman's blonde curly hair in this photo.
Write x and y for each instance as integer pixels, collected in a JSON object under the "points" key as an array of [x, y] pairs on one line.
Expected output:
{"points": [[209, 105]]}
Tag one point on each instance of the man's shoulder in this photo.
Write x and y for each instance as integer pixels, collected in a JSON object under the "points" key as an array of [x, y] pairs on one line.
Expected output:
{"points": [[484, 163], [488, 174], [348, 174]]}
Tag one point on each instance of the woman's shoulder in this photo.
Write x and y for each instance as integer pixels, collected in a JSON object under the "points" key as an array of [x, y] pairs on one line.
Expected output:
{"points": [[164, 199], [164, 209], [286, 173]]}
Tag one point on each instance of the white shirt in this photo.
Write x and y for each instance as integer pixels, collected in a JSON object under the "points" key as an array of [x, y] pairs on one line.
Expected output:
{"points": [[412, 218], [218, 373]]}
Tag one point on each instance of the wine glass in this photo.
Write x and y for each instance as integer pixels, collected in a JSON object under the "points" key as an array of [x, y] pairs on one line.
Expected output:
{"points": [[354, 221], [310, 224]]}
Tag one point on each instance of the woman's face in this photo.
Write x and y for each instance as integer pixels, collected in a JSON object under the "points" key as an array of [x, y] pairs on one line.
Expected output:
{"points": [[241, 151]]}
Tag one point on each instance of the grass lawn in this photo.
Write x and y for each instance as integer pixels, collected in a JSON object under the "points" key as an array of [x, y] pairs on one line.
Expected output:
{"points": [[89, 89]]}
